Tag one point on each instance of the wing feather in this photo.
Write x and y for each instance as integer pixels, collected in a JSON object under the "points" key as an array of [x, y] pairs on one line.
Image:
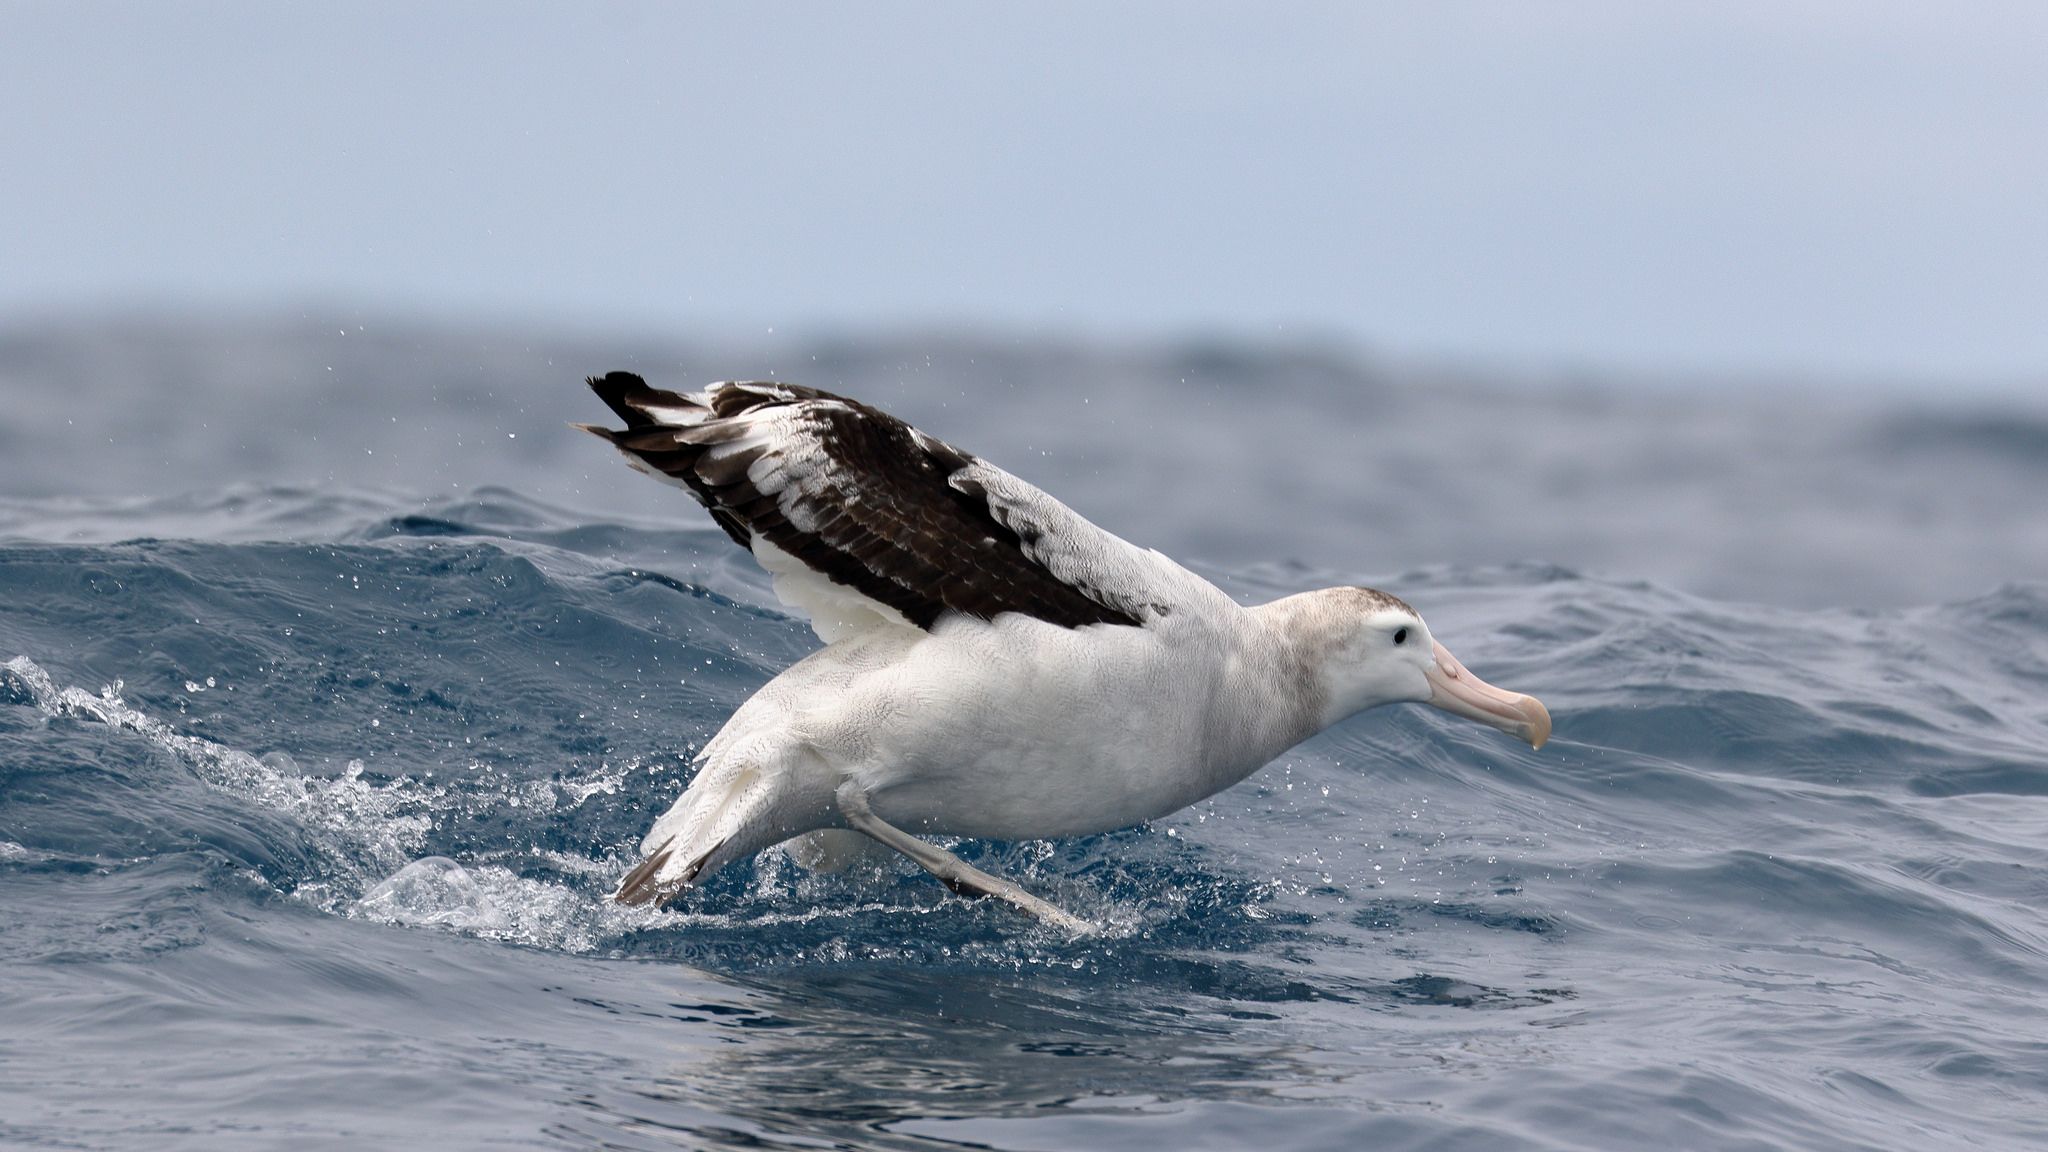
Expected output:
{"points": [[898, 525]]}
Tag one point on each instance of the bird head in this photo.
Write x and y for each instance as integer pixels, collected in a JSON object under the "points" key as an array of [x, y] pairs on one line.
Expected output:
{"points": [[1384, 654]]}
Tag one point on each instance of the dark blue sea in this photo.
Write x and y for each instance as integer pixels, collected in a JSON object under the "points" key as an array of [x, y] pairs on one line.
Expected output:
{"points": [[338, 680]]}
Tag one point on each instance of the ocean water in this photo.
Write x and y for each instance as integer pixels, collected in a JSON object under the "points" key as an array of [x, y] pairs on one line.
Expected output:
{"points": [[311, 785]]}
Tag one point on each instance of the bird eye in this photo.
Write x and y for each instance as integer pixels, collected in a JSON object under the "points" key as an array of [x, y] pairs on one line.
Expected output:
{"points": [[1400, 635]]}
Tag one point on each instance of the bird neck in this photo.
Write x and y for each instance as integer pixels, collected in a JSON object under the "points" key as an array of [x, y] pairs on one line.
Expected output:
{"points": [[1266, 693], [1302, 633]]}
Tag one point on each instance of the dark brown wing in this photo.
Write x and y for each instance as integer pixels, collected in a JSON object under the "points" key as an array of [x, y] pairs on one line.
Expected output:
{"points": [[871, 504]]}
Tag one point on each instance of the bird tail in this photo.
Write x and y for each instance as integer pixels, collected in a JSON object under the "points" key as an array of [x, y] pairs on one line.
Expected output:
{"points": [[688, 842], [662, 876], [733, 809]]}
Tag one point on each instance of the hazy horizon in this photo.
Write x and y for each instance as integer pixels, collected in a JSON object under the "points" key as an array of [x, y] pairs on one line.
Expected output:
{"points": [[1839, 193]]}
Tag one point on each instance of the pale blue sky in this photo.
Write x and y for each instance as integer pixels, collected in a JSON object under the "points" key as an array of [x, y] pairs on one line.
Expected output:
{"points": [[1843, 188]]}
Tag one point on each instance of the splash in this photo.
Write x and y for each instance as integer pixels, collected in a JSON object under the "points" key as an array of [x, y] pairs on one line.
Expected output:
{"points": [[496, 903], [374, 826], [373, 834]]}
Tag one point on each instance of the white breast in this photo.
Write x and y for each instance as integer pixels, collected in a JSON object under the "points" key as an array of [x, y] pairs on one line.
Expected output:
{"points": [[1017, 729]]}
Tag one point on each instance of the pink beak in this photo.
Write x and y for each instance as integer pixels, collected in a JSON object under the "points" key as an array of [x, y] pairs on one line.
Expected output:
{"points": [[1460, 693]]}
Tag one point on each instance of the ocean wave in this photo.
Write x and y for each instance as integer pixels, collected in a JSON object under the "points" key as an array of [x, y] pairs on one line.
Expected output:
{"points": [[1777, 857]]}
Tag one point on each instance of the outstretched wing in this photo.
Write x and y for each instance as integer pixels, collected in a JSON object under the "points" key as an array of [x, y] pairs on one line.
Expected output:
{"points": [[863, 518]]}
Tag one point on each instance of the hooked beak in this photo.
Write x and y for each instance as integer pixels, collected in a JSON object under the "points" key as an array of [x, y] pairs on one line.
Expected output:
{"points": [[1460, 693]]}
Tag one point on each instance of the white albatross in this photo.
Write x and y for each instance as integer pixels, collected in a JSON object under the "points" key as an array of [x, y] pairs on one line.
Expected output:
{"points": [[994, 665]]}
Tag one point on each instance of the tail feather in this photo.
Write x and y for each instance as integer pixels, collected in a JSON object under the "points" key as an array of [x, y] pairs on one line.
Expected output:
{"points": [[654, 882], [724, 815]]}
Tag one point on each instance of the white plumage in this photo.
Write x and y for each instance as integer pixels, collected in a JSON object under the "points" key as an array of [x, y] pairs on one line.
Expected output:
{"points": [[994, 664]]}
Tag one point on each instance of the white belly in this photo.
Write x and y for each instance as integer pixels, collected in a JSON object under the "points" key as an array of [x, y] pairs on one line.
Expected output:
{"points": [[1018, 729]]}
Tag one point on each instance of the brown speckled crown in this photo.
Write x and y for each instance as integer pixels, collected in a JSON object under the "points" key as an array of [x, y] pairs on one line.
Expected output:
{"points": [[1374, 600]]}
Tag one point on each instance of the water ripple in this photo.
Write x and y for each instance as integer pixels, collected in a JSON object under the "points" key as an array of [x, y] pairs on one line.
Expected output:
{"points": [[1778, 881]]}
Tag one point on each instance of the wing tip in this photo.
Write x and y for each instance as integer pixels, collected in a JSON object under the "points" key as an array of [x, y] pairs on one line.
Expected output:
{"points": [[629, 395], [615, 382]]}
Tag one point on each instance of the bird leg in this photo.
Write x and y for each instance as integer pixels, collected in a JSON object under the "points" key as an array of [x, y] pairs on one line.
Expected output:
{"points": [[952, 871]]}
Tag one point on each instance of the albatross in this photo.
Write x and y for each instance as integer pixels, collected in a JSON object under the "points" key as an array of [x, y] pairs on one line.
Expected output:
{"points": [[994, 665]]}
